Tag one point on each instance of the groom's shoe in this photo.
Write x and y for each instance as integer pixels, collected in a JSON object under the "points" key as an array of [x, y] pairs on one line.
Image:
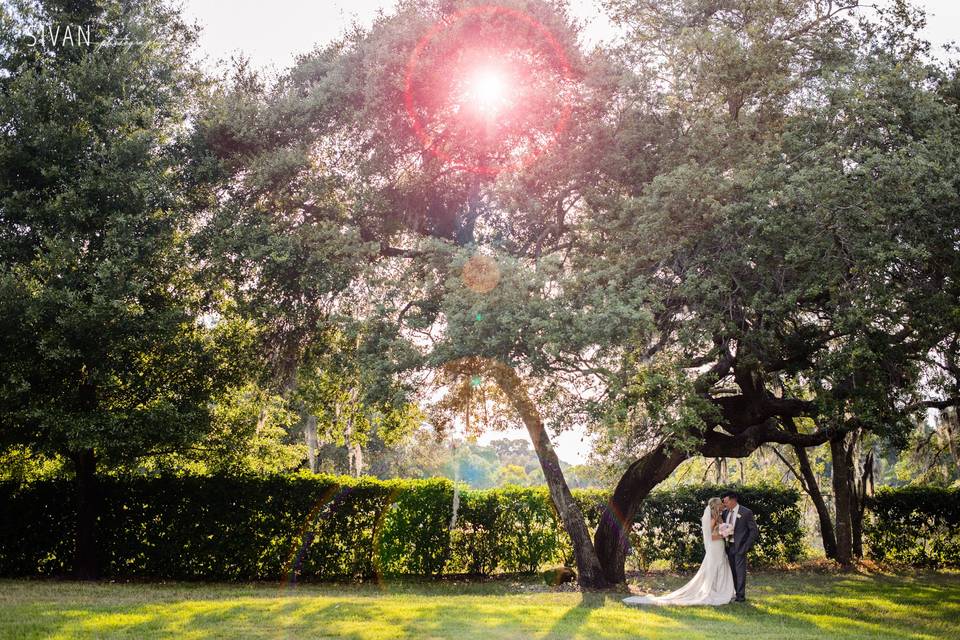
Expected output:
{"points": [[739, 599]]}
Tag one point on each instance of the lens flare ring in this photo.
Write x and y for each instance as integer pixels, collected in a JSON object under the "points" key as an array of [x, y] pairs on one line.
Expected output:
{"points": [[497, 98]]}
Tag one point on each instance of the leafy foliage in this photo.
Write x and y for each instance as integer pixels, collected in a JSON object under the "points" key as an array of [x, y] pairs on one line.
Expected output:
{"points": [[100, 324], [667, 527], [324, 527], [915, 525]]}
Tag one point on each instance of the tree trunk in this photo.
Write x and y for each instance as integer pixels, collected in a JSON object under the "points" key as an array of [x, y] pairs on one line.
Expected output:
{"points": [[950, 419], [863, 480], [856, 532], [613, 533], [310, 435], [85, 565], [843, 500], [354, 454], [809, 482], [589, 573], [357, 457]]}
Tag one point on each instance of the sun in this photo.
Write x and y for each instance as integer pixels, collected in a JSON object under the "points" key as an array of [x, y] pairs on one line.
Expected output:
{"points": [[487, 91]]}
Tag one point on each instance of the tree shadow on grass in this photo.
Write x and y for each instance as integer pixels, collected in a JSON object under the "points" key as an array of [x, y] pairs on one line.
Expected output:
{"points": [[201, 620], [296, 618], [835, 607], [576, 616], [880, 607]]}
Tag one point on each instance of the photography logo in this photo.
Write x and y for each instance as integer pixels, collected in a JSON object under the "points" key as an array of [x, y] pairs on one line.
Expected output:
{"points": [[58, 36]]}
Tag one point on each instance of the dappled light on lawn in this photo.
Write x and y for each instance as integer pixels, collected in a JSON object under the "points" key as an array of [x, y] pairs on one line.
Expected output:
{"points": [[781, 605]]}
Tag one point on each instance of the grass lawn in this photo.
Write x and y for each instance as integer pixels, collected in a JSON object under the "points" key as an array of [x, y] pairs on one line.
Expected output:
{"points": [[781, 605]]}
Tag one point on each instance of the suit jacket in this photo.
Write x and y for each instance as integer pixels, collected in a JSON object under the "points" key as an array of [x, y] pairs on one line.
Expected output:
{"points": [[745, 531]]}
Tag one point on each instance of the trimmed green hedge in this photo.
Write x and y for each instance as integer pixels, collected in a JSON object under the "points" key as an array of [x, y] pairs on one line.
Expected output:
{"points": [[668, 525], [918, 526], [326, 527]]}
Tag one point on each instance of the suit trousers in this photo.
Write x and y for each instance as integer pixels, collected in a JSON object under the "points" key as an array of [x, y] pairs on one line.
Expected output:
{"points": [[738, 565]]}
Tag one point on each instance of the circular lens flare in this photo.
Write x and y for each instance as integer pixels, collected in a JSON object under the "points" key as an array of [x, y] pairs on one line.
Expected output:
{"points": [[522, 110]]}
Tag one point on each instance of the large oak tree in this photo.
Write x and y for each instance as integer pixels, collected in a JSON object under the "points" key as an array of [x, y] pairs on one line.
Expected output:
{"points": [[744, 216]]}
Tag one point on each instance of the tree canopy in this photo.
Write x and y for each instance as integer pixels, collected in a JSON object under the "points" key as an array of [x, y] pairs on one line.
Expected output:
{"points": [[728, 240], [737, 225]]}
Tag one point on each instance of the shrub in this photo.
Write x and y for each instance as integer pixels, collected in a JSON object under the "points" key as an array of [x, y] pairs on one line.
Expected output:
{"points": [[477, 538], [918, 525], [667, 526], [326, 527], [414, 537]]}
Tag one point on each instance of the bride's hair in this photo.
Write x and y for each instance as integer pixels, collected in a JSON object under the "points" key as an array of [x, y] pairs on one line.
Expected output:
{"points": [[716, 506]]}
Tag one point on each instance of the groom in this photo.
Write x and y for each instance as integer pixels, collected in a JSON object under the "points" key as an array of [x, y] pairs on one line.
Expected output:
{"points": [[744, 535]]}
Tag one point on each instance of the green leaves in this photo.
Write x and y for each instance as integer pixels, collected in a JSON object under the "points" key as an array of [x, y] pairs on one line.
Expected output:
{"points": [[99, 308], [915, 525], [327, 527], [792, 204]]}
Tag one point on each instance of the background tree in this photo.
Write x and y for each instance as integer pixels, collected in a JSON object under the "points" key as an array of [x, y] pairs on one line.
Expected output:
{"points": [[251, 429], [105, 358], [348, 392], [931, 454], [782, 167]]}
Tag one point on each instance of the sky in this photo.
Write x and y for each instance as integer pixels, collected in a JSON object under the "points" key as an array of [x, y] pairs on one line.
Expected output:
{"points": [[272, 33]]}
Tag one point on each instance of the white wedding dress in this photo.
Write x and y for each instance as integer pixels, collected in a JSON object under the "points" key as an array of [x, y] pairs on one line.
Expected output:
{"points": [[713, 584]]}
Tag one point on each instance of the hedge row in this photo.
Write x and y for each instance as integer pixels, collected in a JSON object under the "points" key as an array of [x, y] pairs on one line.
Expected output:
{"points": [[668, 526], [918, 526], [325, 527]]}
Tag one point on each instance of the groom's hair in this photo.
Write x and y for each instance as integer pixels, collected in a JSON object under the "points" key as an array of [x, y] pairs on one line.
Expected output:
{"points": [[730, 494]]}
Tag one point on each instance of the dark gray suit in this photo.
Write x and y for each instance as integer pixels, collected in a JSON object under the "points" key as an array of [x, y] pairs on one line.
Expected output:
{"points": [[745, 534]]}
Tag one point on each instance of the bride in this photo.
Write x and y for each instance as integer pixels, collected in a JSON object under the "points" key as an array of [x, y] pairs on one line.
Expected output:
{"points": [[713, 584]]}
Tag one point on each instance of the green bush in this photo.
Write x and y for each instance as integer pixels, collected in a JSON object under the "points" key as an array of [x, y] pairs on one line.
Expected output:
{"points": [[324, 527], [668, 525], [530, 531], [918, 526], [36, 528], [414, 537], [476, 540]]}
